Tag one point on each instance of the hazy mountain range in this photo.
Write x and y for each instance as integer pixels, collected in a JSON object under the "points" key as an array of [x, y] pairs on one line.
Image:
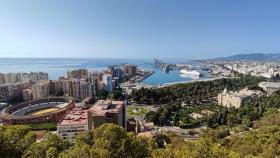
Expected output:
{"points": [[251, 57]]}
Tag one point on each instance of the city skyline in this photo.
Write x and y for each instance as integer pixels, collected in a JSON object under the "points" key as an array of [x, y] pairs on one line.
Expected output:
{"points": [[146, 78], [132, 30]]}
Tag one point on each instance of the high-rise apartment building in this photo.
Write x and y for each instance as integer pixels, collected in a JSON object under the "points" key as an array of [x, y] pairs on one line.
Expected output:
{"points": [[130, 69], [79, 73], [12, 90], [27, 94], [56, 87], [107, 81], [43, 76], [7, 90], [11, 78], [75, 87], [23, 77], [116, 72], [41, 89], [2, 78], [66, 86], [97, 81], [87, 90]]}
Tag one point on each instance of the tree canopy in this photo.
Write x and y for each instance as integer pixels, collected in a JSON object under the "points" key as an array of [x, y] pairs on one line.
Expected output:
{"points": [[14, 140]]}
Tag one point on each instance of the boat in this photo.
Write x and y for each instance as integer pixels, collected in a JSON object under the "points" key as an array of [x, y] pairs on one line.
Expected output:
{"points": [[193, 77], [165, 68], [190, 72]]}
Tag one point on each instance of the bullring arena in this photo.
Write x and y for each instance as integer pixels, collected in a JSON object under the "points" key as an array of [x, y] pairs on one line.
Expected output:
{"points": [[50, 109]]}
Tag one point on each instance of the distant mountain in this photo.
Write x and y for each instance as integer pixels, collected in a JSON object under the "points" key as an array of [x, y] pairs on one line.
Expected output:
{"points": [[251, 57]]}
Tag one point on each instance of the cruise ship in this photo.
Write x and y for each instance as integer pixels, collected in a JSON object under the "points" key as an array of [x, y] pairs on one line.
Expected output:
{"points": [[193, 77], [190, 72]]}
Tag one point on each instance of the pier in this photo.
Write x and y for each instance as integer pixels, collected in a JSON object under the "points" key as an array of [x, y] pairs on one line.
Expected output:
{"points": [[146, 75]]}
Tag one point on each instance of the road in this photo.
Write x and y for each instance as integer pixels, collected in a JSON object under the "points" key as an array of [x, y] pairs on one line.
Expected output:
{"points": [[184, 133]]}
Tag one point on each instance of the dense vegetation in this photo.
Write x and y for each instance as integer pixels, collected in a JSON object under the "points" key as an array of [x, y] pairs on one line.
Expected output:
{"points": [[245, 115], [43, 126], [116, 94], [136, 111], [111, 141], [262, 140], [183, 99], [14, 140], [194, 91], [107, 141], [175, 114]]}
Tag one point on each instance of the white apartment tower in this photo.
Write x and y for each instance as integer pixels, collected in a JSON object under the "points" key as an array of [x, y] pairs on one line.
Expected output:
{"points": [[41, 89], [107, 81]]}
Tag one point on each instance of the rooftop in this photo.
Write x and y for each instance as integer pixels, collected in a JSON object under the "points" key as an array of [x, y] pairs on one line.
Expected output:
{"points": [[77, 116], [106, 106]]}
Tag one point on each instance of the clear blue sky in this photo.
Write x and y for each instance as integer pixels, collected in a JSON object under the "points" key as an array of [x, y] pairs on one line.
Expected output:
{"points": [[190, 29]]}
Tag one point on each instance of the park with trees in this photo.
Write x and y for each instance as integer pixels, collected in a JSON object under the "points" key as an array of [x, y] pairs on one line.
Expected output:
{"points": [[177, 102]]}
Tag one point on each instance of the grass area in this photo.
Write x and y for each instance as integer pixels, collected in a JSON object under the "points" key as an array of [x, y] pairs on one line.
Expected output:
{"points": [[43, 126], [44, 111], [137, 111]]}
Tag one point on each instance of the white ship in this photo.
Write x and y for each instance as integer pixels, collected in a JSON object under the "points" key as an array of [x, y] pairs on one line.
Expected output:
{"points": [[193, 77], [190, 72]]}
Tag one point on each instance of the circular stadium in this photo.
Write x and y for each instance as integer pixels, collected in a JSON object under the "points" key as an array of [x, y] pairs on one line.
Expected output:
{"points": [[50, 109]]}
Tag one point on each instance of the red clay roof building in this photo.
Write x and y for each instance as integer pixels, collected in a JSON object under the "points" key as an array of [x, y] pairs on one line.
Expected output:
{"points": [[80, 119], [75, 121], [107, 111]]}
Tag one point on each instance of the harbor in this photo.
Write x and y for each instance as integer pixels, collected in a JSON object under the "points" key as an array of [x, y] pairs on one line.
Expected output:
{"points": [[175, 72], [145, 75]]}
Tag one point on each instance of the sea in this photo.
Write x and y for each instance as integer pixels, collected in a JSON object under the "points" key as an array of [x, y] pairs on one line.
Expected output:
{"points": [[58, 67]]}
